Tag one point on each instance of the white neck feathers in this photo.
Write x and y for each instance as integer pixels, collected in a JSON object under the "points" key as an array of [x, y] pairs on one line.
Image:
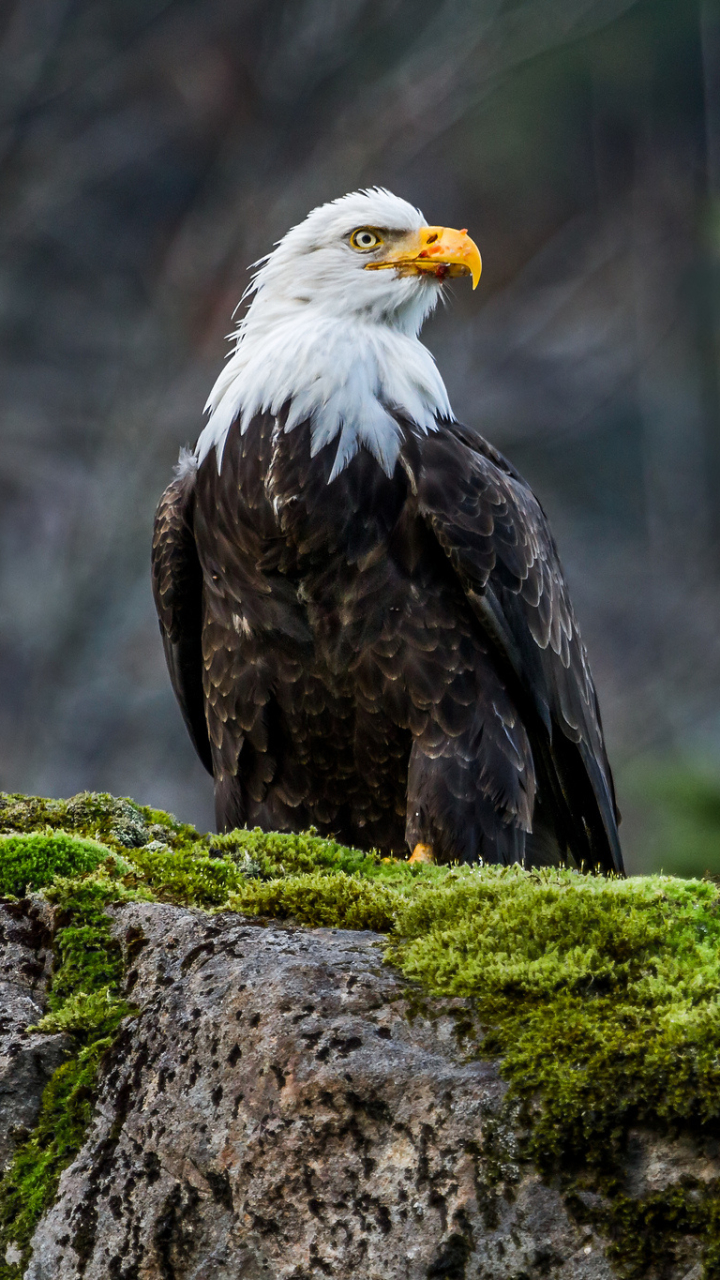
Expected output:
{"points": [[349, 377]]}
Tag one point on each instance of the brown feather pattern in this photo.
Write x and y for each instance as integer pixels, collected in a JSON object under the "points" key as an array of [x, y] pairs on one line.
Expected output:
{"points": [[393, 661]]}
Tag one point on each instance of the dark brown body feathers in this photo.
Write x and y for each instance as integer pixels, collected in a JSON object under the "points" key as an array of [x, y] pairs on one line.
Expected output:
{"points": [[390, 660]]}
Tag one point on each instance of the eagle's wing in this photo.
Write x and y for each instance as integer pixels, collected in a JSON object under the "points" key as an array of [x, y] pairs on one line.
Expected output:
{"points": [[177, 588], [496, 535]]}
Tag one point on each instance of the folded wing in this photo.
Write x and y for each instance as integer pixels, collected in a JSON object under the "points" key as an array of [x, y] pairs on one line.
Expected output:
{"points": [[177, 588], [496, 536]]}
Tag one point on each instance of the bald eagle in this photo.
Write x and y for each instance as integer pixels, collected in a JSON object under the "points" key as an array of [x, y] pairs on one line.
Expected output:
{"points": [[362, 607]]}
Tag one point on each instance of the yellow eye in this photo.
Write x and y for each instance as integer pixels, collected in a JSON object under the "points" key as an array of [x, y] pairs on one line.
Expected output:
{"points": [[365, 239]]}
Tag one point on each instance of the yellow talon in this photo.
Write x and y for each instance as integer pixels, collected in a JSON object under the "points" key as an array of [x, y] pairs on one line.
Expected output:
{"points": [[422, 853]]}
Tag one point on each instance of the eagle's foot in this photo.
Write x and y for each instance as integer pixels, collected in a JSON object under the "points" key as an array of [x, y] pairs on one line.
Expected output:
{"points": [[422, 853]]}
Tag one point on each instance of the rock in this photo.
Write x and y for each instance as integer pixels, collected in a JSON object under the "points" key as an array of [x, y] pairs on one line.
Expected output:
{"points": [[126, 822], [287, 1107], [27, 1059], [656, 1162]]}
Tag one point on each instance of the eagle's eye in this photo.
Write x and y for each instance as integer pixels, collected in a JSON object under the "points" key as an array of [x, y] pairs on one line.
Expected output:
{"points": [[365, 239]]}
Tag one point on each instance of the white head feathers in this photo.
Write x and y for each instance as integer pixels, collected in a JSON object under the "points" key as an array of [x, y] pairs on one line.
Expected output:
{"points": [[336, 342]]}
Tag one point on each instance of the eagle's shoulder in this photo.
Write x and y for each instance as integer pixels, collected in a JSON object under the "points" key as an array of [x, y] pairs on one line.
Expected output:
{"points": [[490, 522], [478, 445]]}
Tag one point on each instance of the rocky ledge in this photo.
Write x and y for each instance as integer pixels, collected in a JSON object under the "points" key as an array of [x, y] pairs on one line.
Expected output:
{"points": [[279, 1102], [280, 1109]]}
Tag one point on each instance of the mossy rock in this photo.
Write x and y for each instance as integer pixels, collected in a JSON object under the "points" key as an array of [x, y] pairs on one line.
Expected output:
{"points": [[600, 997]]}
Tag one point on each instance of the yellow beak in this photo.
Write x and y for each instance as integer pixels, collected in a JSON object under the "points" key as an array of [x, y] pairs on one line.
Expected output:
{"points": [[439, 251]]}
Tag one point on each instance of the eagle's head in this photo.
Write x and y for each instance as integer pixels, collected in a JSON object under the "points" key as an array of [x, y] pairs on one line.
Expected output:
{"points": [[368, 254], [330, 336]]}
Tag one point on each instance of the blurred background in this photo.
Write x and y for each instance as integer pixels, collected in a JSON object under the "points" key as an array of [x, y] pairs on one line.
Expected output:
{"points": [[151, 149]]}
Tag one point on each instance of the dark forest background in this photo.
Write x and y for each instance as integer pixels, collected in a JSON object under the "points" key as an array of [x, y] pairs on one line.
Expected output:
{"points": [[151, 149]]}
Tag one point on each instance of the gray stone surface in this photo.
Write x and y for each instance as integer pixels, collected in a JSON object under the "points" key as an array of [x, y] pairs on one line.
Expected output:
{"points": [[656, 1162], [286, 1107], [27, 1059]]}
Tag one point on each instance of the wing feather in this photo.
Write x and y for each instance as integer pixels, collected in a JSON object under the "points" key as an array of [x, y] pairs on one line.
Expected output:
{"points": [[177, 589], [496, 536]]}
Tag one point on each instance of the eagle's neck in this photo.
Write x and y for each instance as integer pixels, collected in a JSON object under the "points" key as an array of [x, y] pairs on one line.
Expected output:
{"points": [[350, 378]]}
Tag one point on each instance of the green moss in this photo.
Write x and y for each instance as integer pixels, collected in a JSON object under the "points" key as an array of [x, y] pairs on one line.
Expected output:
{"points": [[191, 877], [600, 997], [85, 1003], [654, 1231], [601, 994], [33, 861], [88, 957], [118, 824], [263, 874], [29, 1185], [329, 900], [273, 854]]}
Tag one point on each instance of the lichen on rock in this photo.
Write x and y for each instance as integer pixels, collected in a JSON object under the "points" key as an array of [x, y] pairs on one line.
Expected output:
{"points": [[565, 1028]]}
